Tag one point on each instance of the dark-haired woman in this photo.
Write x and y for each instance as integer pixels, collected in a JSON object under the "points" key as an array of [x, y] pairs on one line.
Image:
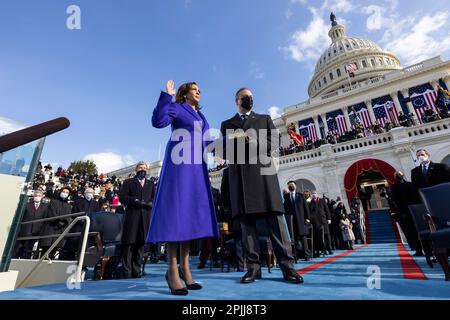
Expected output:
{"points": [[183, 209]]}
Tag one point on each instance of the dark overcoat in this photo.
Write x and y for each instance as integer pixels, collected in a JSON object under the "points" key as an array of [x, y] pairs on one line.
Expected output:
{"points": [[252, 190]]}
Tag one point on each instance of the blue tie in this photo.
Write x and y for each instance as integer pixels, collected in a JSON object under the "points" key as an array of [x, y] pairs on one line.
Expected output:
{"points": [[424, 170]]}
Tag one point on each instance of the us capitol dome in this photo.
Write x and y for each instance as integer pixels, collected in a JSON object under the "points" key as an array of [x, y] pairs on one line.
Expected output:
{"points": [[330, 73]]}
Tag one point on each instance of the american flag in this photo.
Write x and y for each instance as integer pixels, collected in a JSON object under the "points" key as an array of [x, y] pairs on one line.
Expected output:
{"points": [[336, 122], [385, 112], [363, 114], [308, 129], [351, 67], [423, 100]]}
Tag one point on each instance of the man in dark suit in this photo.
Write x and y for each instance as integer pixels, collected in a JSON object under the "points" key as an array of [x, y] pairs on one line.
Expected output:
{"points": [[233, 223], [35, 210], [321, 218], [254, 187], [297, 216], [403, 194], [85, 204], [429, 174], [137, 194]]}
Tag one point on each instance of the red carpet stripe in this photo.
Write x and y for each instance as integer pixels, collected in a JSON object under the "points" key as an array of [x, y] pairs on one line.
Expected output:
{"points": [[410, 268], [327, 261]]}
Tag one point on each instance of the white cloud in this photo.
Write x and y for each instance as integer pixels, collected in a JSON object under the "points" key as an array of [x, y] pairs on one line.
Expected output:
{"points": [[109, 161], [274, 112], [412, 39], [339, 5], [256, 71], [309, 43], [8, 126]]}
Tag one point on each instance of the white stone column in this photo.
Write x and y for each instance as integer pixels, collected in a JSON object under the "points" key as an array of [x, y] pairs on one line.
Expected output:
{"points": [[347, 118], [410, 106], [316, 123], [325, 123], [397, 104], [373, 119], [435, 85], [447, 82]]}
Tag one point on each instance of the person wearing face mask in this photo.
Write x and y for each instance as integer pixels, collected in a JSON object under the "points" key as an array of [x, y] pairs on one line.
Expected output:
{"points": [[35, 210], [320, 217], [137, 195], [255, 193], [297, 216], [403, 194], [429, 173], [58, 207], [86, 204]]}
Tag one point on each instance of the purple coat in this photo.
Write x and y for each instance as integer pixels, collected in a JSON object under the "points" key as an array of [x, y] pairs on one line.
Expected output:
{"points": [[183, 208]]}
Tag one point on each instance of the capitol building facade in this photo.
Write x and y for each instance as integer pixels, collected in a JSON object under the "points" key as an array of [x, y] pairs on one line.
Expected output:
{"points": [[356, 79], [378, 91]]}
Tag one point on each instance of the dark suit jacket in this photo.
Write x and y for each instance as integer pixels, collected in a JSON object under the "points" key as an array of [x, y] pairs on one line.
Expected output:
{"points": [[300, 211], [83, 205], [437, 173], [30, 214], [56, 208], [250, 191], [320, 214], [137, 217], [403, 194]]}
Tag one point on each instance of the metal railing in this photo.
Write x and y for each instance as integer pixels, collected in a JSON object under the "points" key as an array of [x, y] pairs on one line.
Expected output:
{"points": [[80, 217]]}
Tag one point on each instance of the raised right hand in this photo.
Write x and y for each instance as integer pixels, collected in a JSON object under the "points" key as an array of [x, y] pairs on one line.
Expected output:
{"points": [[170, 87]]}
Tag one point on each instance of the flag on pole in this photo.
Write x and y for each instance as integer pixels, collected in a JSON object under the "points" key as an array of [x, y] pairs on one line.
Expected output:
{"points": [[351, 68], [298, 138]]}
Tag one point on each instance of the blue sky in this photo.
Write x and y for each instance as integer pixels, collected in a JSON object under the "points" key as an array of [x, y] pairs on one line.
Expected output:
{"points": [[106, 77]]}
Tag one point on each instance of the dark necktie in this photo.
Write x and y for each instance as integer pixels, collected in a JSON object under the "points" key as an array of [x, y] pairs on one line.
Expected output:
{"points": [[244, 118], [424, 170]]}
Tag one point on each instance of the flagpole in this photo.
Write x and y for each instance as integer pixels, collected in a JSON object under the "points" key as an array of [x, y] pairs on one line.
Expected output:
{"points": [[348, 76]]}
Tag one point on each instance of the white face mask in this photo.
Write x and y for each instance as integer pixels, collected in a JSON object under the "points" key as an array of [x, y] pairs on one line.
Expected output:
{"points": [[314, 195], [63, 195], [423, 159], [37, 199], [88, 196]]}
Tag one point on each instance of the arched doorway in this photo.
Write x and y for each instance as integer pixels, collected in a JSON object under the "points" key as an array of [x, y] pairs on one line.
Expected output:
{"points": [[366, 179], [304, 184], [446, 160]]}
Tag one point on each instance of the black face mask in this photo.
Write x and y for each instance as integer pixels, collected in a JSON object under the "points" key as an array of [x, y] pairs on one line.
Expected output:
{"points": [[141, 174], [291, 188], [400, 178], [247, 102]]}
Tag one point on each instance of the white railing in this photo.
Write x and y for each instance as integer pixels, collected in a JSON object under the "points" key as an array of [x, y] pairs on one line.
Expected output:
{"points": [[85, 234], [366, 142], [303, 156]]}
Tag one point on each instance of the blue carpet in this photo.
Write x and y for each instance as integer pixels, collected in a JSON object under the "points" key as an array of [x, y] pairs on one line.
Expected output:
{"points": [[380, 227], [343, 279]]}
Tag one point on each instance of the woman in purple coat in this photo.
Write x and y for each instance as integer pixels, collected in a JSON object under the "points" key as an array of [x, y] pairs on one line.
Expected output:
{"points": [[183, 208]]}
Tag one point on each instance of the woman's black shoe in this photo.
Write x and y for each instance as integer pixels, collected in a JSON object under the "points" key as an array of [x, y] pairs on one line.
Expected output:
{"points": [[177, 292], [193, 286]]}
